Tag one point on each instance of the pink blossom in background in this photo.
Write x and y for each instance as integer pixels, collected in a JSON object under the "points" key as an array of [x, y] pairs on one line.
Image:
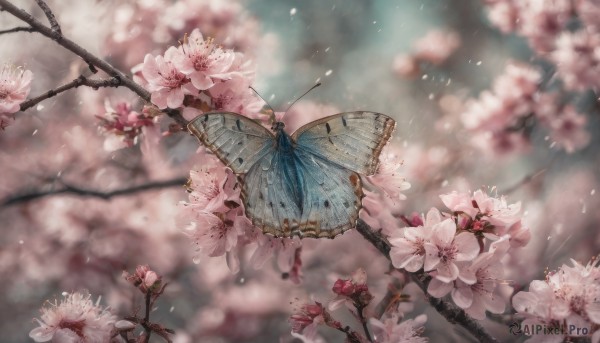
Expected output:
{"points": [[436, 46], [578, 60], [392, 329], [307, 318], [167, 84], [201, 61], [124, 123], [15, 84], [405, 65], [567, 129], [75, 319]]}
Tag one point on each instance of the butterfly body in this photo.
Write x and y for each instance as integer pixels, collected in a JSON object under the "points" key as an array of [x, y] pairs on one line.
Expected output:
{"points": [[306, 184]]}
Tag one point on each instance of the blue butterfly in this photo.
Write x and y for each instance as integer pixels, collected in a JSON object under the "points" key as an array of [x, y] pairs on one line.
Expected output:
{"points": [[306, 184]]}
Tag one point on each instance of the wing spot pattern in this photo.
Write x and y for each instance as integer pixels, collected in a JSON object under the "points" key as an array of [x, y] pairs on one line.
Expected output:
{"points": [[326, 203]]}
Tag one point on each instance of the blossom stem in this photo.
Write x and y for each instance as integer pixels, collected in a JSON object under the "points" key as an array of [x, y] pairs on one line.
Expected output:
{"points": [[147, 317], [77, 191], [451, 312], [18, 29], [89, 58], [80, 81], [363, 321]]}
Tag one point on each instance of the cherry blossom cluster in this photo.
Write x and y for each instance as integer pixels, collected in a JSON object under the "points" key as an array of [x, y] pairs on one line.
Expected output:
{"points": [[501, 119], [549, 28], [434, 48], [198, 76], [355, 295], [214, 220], [141, 26], [566, 304], [75, 319], [78, 319], [462, 250], [124, 123], [15, 84]]}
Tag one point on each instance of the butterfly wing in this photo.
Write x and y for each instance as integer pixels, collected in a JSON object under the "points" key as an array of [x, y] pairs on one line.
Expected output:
{"points": [[352, 140], [238, 141], [330, 196]]}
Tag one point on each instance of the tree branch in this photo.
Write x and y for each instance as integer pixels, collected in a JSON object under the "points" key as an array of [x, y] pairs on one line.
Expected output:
{"points": [[82, 192], [18, 29], [451, 312], [51, 18], [80, 81], [93, 61]]}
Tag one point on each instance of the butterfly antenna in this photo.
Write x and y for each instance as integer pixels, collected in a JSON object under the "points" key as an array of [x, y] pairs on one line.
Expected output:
{"points": [[308, 91], [272, 114]]}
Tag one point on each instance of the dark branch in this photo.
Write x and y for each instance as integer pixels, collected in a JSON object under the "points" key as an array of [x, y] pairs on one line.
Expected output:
{"points": [[89, 58], [451, 312], [82, 192], [51, 18], [80, 81], [18, 29]]}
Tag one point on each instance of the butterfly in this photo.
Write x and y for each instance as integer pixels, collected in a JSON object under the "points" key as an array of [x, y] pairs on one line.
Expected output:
{"points": [[307, 184]]}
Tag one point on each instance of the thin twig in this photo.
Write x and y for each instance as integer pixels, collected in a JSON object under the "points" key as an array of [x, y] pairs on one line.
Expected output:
{"points": [[363, 321], [82, 192], [92, 60], [146, 321], [51, 18], [80, 81], [18, 29], [451, 312]]}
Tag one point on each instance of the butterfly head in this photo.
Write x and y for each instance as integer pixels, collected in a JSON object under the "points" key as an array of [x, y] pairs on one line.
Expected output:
{"points": [[277, 126]]}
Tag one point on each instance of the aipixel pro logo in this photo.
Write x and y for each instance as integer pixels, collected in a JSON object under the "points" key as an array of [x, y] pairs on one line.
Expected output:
{"points": [[542, 329]]}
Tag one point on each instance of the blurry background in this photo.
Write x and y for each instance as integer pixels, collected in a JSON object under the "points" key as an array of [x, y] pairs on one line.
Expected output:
{"points": [[63, 243]]}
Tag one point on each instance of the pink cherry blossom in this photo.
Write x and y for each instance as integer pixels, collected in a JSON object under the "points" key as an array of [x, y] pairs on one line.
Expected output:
{"points": [[578, 60], [392, 330], [406, 65], [444, 249], [235, 95], [569, 295], [567, 129], [75, 319], [436, 46], [353, 292], [494, 217], [202, 61], [123, 122], [167, 84], [388, 178], [476, 289], [307, 318], [215, 235], [207, 188], [144, 279], [408, 245], [268, 246], [15, 84]]}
